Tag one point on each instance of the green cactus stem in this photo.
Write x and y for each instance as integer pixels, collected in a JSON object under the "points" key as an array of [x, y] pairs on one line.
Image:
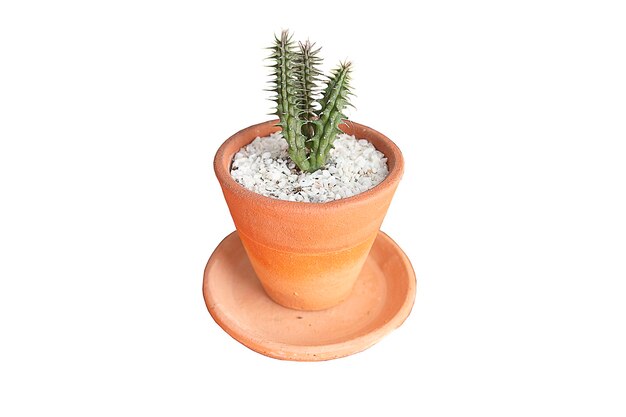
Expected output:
{"points": [[309, 119], [287, 99], [335, 100], [307, 83]]}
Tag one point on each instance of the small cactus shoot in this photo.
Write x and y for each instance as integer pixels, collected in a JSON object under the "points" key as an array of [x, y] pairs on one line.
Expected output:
{"points": [[308, 116]]}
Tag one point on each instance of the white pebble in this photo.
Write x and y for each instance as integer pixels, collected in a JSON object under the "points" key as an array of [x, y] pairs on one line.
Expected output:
{"points": [[354, 166]]}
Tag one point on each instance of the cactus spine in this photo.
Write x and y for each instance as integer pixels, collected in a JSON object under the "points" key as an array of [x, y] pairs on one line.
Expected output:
{"points": [[309, 118]]}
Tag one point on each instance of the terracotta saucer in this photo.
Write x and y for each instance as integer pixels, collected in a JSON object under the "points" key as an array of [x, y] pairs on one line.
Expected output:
{"points": [[380, 302]]}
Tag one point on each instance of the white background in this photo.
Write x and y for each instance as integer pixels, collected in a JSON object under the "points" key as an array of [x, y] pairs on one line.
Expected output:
{"points": [[511, 117]]}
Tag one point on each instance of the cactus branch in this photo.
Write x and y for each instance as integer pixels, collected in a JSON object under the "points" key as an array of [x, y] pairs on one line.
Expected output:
{"points": [[333, 103], [307, 83], [287, 99]]}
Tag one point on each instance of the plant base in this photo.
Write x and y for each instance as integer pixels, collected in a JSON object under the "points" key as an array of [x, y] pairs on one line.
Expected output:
{"points": [[380, 302]]}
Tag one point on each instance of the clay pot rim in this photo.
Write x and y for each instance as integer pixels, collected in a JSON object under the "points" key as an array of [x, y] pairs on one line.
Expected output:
{"points": [[395, 162]]}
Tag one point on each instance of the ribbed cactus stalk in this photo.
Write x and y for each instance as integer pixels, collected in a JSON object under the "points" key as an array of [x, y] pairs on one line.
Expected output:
{"points": [[309, 118]]}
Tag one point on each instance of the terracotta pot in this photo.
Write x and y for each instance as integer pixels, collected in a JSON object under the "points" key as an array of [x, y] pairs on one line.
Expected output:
{"points": [[307, 255]]}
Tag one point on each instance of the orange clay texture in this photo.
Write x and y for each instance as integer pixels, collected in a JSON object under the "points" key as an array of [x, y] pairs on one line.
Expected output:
{"points": [[381, 300]]}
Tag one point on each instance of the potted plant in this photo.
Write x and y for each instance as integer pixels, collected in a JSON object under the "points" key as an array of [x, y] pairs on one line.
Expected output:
{"points": [[328, 183]]}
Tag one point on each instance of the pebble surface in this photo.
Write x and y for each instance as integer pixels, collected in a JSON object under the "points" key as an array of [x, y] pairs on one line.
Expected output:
{"points": [[264, 166]]}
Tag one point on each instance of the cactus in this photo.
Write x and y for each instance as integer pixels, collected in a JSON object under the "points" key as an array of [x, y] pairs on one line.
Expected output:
{"points": [[308, 116]]}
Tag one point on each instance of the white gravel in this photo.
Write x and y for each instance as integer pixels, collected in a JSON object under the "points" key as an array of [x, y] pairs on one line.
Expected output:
{"points": [[354, 166]]}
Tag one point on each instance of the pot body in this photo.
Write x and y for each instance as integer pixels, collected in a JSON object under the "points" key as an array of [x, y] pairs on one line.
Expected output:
{"points": [[307, 256]]}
